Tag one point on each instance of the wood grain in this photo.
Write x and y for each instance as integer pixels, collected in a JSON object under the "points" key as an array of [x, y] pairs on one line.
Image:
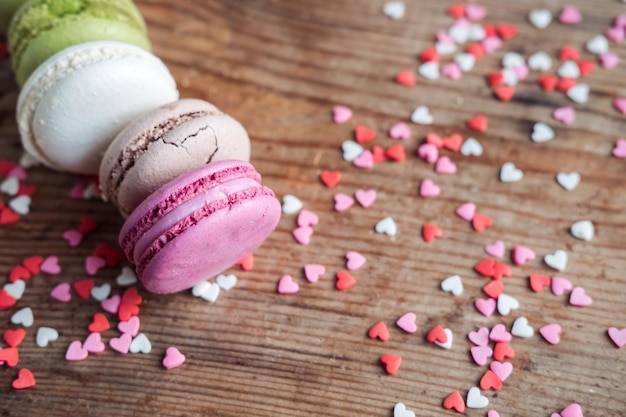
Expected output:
{"points": [[279, 67]]}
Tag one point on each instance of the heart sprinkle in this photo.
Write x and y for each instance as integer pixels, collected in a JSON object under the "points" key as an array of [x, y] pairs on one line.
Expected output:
{"points": [[25, 379], [392, 363], [354, 260], [551, 333], [386, 226], [380, 331], [509, 173], [454, 401], [312, 272], [286, 285], [617, 336], [400, 410], [453, 284], [407, 322], [173, 358]]}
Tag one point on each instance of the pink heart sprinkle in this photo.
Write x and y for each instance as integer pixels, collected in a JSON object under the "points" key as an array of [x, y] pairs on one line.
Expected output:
{"points": [[566, 115], [521, 72], [131, 326], [500, 334], [486, 307], [365, 197], [93, 343], [551, 332], [407, 322], [619, 151], [429, 189], [61, 292], [620, 104], [111, 304], [466, 211], [578, 298], [18, 172], [312, 272], [560, 285], [451, 70], [480, 354], [572, 410], [428, 152], [50, 266], [445, 166], [609, 60], [496, 249], [475, 12], [555, 415], [302, 235], [365, 160], [491, 44], [76, 352], [502, 369], [343, 202], [479, 337], [444, 37], [618, 336], [307, 218], [400, 131], [341, 114], [121, 344], [354, 260], [286, 285], [492, 413], [93, 264], [522, 254], [615, 33], [173, 358], [570, 16], [73, 237], [77, 191]]}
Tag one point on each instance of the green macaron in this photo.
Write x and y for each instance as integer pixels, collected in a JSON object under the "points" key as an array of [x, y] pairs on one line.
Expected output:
{"points": [[7, 10], [41, 28]]}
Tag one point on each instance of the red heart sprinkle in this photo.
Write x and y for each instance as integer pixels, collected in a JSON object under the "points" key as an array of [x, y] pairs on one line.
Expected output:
{"points": [[495, 78], [502, 351], [493, 289], [490, 381], [6, 300], [330, 178], [452, 142], [479, 123], [538, 281], [485, 267], [490, 31], [380, 331], [434, 139], [83, 288], [8, 216], [19, 272], [33, 263], [392, 363], [25, 189], [14, 337], [457, 10], [437, 334], [87, 225], [481, 221], [9, 356], [378, 154], [111, 255], [455, 401], [99, 323], [504, 92], [344, 281], [501, 270], [569, 53], [363, 134], [131, 296], [406, 77], [565, 84], [25, 379], [430, 55], [548, 82], [396, 153], [247, 262], [430, 232], [585, 67], [506, 31], [126, 311], [475, 49], [6, 167]]}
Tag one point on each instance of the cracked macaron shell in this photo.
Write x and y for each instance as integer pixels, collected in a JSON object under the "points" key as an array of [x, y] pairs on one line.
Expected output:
{"points": [[164, 144]]}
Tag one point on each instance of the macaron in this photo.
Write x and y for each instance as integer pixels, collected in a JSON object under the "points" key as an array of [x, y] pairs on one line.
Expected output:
{"points": [[76, 102], [198, 225], [164, 144], [41, 28], [7, 10]]}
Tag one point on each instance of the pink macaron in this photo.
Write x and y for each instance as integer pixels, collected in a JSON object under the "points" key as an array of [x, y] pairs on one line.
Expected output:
{"points": [[199, 224]]}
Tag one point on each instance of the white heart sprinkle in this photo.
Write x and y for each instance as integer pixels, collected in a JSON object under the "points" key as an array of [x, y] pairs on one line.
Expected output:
{"points": [[569, 69], [429, 70], [556, 260], [513, 60], [101, 293], [459, 33], [20, 204], [91, 192], [400, 410], [510, 77], [509, 173], [540, 61], [568, 180], [351, 150], [10, 186], [394, 9], [506, 304], [445, 48], [475, 399], [521, 328], [421, 115], [386, 226], [23, 317], [542, 133], [465, 61], [477, 32], [291, 204], [140, 343], [471, 147], [579, 93], [582, 230], [15, 289], [226, 282], [540, 18], [126, 277], [453, 285], [598, 45], [45, 335], [448, 343], [206, 290]]}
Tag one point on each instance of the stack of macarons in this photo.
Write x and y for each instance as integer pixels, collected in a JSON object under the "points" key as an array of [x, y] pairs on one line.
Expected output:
{"points": [[95, 100]]}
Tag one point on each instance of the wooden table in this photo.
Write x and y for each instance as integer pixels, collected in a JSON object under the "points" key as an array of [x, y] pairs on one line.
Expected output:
{"points": [[279, 67]]}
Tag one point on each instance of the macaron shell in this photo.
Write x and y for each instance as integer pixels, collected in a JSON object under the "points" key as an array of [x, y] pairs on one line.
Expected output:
{"points": [[212, 245]]}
